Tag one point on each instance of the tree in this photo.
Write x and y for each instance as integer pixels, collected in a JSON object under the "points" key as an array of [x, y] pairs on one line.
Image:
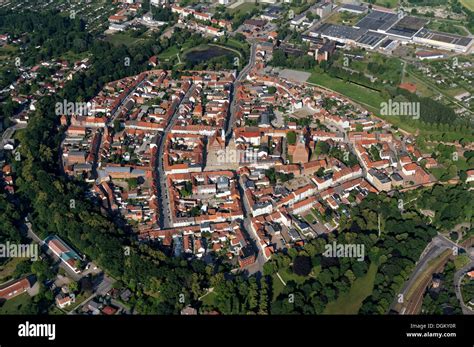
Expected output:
{"points": [[264, 299], [291, 137], [73, 287], [302, 265], [322, 148], [272, 90]]}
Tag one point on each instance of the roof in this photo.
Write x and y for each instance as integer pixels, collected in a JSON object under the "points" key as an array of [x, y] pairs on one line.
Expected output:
{"points": [[379, 175], [354, 7], [371, 39], [407, 26], [12, 288], [377, 20], [444, 37], [339, 31]]}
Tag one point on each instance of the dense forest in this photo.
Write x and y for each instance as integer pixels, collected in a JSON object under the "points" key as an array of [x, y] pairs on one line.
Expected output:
{"points": [[53, 34]]}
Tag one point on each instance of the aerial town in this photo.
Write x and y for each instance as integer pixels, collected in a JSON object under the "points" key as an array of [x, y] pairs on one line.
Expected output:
{"points": [[203, 157]]}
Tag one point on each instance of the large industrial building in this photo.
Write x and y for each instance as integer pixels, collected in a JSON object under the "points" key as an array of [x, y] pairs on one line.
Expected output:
{"points": [[390, 28]]}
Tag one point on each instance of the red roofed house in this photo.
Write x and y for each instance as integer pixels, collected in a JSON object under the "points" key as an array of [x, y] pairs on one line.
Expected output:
{"points": [[13, 288]]}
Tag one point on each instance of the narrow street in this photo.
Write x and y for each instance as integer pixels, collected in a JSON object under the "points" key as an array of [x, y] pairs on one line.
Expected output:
{"points": [[165, 220]]}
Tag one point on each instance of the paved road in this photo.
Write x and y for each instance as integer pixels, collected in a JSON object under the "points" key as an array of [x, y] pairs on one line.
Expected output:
{"points": [[437, 246], [8, 133], [117, 112], [260, 261], [458, 276], [432, 250], [241, 77], [165, 220]]}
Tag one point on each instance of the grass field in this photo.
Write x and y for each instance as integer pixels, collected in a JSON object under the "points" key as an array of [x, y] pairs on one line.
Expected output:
{"points": [[351, 302], [387, 3], [14, 305], [469, 4], [169, 53], [362, 95], [233, 43], [123, 38], [344, 18], [209, 299], [309, 218], [371, 100], [6, 270], [447, 27], [287, 275], [277, 286], [421, 89], [243, 8], [461, 260]]}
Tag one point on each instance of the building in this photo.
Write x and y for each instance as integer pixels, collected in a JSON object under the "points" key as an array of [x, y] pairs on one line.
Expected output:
{"points": [[339, 33], [323, 9], [301, 152], [247, 256], [356, 9], [189, 311], [13, 288], [324, 52], [429, 55], [379, 180], [63, 301], [444, 41], [470, 176], [65, 253]]}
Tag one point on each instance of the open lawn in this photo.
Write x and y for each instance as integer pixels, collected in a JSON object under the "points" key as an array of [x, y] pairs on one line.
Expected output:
{"points": [[277, 286], [124, 38], [309, 218], [7, 269], [371, 100], [209, 299], [461, 260], [367, 97], [387, 3], [421, 89], [344, 18], [468, 4], [169, 53], [350, 302], [287, 275], [13, 306], [243, 8], [447, 27]]}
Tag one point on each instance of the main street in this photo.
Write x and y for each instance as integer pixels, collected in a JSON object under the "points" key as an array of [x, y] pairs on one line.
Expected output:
{"points": [[260, 261], [165, 213], [241, 77]]}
